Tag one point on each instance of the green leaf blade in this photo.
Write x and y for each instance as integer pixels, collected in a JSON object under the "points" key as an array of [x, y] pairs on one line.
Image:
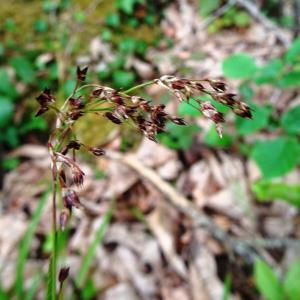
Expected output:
{"points": [[268, 191], [239, 66], [291, 282], [267, 282], [88, 259], [276, 157], [26, 242], [290, 120]]}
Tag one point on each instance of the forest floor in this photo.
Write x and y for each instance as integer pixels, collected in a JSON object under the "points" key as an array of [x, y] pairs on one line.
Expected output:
{"points": [[184, 223]]}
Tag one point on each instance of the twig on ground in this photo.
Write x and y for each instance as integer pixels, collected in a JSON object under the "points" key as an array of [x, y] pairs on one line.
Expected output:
{"points": [[296, 10], [246, 247], [256, 13]]}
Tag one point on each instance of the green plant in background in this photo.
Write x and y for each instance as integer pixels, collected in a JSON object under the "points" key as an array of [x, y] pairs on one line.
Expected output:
{"points": [[232, 17], [271, 287], [129, 29], [275, 156]]}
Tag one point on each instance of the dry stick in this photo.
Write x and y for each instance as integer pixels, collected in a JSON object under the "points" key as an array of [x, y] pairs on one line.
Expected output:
{"points": [[256, 13], [249, 248], [53, 261], [296, 10]]}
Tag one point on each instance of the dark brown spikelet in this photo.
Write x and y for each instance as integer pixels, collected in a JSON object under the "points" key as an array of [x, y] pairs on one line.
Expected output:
{"points": [[77, 176], [71, 199], [41, 110], [62, 178], [75, 115], [144, 105], [112, 117], [73, 144], [211, 112], [97, 151], [243, 110], [97, 92], [81, 73], [178, 84], [178, 121], [218, 86], [45, 98], [116, 98], [123, 111], [76, 102], [63, 274], [64, 217]]}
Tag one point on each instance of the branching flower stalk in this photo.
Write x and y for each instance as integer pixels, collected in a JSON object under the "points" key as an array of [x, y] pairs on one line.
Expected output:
{"points": [[119, 107]]}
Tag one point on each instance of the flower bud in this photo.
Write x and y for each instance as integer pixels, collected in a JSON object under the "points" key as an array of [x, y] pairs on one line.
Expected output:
{"points": [[62, 178], [178, 121], [97, 92], [97, 151], [73, 144], [218, 86], [70, 199], [76, 102], [63, 274], [81, 73], [113, 118], [77, 176], [42, 110], [75, 115], [45, 98], [63, 218], [211, 112]]}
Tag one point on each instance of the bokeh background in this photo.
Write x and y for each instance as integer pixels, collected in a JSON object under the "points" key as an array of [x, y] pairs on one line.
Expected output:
{"points": [[241, 241]]}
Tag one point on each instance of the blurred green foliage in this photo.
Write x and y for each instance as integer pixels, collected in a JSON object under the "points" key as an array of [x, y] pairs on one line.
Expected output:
{"points": [[233, 17], [271, 287], [274, 156], [36, 59]]}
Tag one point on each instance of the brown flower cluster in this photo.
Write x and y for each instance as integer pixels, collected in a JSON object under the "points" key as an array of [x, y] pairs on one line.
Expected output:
{"points": [[183, 89], [119, 107]]}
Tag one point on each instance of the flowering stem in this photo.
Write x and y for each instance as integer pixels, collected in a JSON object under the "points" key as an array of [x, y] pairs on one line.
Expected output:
{"points": [[54, 234], [99, 109], [88, 85], [139, 86]]}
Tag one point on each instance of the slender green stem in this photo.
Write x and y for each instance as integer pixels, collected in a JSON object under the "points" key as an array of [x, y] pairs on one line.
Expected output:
{"points": [[94, 104], [54, 234], [88, 85], [139, 86], [99, 109], [73, 93], [55, 108]]}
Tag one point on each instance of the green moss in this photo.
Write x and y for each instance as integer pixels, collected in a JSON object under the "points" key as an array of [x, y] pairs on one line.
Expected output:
{"points": [[93, 129]]}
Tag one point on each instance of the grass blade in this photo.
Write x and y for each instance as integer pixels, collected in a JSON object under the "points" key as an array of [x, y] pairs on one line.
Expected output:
{"points": [[50, 294], [33, 288], [88, 259], [25, 244], [227, 287]]}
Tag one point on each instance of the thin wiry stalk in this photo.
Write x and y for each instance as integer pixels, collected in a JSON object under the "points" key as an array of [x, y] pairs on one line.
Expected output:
{"points": [[139, 86], [120, 107], [54, 236]]}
